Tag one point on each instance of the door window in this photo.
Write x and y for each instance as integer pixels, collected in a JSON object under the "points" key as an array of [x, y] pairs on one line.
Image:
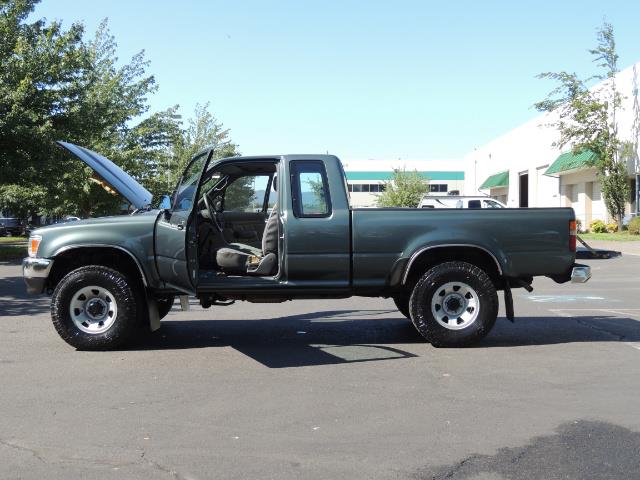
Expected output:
{"points": [[310, 192], [186, 192]]}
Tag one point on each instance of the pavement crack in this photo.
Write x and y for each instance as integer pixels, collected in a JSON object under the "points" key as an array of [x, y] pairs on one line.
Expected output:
{"points": [[455, 468], [21, 448], [161, 468]]}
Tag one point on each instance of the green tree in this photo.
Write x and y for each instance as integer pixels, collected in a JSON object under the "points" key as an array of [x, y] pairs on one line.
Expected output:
{"points": [[109, 103], [38, 66], [587, 120], [57, 85], [405, 189], [202, 130]]}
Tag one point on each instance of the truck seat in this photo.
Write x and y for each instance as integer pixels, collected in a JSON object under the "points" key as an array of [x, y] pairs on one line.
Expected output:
{"points": [[241, 259]]}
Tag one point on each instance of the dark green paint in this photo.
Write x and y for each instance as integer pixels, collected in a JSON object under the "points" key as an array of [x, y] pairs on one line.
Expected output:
{"points": [[350, 252]]}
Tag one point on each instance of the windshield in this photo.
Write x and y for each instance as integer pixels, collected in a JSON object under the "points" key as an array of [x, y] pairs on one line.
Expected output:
{"points": [[186, 191]]}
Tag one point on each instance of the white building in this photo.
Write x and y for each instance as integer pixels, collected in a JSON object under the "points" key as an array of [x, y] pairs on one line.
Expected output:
{"points": [[522, 169], [366, 178]]}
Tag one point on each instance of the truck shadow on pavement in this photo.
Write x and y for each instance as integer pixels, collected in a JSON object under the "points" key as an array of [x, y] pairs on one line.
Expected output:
{"points": [[529, 331], [349, 336], [321, 338]]}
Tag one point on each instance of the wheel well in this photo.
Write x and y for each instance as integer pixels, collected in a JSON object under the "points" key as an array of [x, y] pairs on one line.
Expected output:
{"points": [[70, 260], [473, 255]]}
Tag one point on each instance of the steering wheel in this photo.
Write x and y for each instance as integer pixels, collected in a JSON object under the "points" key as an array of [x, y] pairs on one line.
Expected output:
{"points": [[214, 213]]}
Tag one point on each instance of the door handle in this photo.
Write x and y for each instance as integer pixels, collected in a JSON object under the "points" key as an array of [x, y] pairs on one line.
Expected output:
{"points": [[180, 226]]}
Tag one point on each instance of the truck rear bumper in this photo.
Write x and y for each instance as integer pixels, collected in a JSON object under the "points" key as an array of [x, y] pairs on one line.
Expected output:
{"points": [[35, 272], [580, 273]]}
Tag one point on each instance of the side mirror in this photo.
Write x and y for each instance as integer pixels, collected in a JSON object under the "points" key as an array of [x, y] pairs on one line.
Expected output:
{"points": [[165, 203]]}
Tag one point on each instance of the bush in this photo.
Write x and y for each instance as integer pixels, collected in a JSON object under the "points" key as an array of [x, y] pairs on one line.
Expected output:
{"points": [[612, 227], [597, 226], [634, 226]]}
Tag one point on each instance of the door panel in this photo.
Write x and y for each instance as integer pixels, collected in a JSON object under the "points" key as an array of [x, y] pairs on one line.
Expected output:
{"points": [[175, 233], [171, 250], [317, 225]]}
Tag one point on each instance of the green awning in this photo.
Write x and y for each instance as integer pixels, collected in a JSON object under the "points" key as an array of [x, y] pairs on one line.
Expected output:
{"points": [[569, 161], [496, 180]]}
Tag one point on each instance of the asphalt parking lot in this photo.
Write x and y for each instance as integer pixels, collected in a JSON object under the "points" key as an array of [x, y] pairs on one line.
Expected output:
{"points": [[331, 389]]}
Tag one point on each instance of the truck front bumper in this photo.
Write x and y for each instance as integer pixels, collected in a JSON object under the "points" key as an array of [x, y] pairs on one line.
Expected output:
{"points": [[35, 272], [580, 273]]}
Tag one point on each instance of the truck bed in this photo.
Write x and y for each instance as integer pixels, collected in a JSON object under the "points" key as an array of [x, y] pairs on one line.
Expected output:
{"points": [[525, 242]]}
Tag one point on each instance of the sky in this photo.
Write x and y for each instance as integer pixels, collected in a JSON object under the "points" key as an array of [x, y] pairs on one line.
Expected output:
{"points": [[358, 79]]}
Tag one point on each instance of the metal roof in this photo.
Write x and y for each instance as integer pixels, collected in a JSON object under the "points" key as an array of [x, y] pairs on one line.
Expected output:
{"points": [[496, 180], [570, 161]]}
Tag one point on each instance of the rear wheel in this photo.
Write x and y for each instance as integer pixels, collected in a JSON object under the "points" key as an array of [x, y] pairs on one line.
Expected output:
{"points": [[95, 308], [454, 304]]}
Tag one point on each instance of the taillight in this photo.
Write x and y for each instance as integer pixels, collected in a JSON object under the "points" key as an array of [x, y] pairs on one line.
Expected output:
{"points": [[572, 235]]}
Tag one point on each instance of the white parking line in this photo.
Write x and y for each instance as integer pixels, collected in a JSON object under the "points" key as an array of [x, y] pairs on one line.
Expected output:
{"points": [[561, 298], [561, 312]]}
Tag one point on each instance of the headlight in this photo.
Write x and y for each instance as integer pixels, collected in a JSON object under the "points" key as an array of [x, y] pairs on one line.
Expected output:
{"points": [[34, 243]]}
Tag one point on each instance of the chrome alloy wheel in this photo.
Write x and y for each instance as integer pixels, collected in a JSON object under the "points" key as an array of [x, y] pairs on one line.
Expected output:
{"points": [[455, 305], [93, 309]]}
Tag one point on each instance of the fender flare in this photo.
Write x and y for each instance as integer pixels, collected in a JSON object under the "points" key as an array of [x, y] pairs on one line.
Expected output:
{"points": [[420, 251], [66, 248]]}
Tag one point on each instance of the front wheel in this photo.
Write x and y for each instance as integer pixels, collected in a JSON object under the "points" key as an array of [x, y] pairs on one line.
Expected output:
{"points": [[454, 304], [95, 308]]}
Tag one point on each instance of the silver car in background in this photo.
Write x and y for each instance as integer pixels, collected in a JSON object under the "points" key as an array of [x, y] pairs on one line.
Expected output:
{"points": [[459, 201]]}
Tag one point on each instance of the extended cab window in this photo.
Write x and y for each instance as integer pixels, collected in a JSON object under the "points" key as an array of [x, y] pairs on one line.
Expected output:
{"points": [[309, 188]]}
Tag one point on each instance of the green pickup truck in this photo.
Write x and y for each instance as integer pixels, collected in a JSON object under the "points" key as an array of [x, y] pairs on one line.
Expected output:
{"points": [[276, 228]]}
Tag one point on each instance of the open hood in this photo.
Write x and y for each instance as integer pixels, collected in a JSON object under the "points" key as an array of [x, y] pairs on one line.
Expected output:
{"points": [[112, 175]]}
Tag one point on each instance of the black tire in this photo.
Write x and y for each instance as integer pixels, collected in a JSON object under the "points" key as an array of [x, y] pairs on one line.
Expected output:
{"points": [[402, 303], [164, 306], [121, 294], [469, 312]]}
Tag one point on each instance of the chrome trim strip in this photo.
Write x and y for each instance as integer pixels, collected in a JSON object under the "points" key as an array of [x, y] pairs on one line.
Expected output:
{"points": [[105, 245], [34, 267], [422, 250]]}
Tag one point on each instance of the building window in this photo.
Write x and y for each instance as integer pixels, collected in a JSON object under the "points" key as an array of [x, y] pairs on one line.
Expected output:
{"points": [[438, 187], [366, 187]]}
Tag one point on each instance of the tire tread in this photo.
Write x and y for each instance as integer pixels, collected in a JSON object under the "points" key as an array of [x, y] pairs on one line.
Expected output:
{"points": [[123, 329], [422, 317]]}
